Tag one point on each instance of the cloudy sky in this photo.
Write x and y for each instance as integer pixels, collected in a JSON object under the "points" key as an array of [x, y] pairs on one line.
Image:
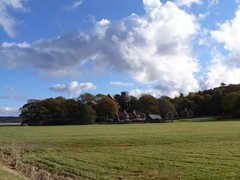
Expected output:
{"points": [[68, 47]]}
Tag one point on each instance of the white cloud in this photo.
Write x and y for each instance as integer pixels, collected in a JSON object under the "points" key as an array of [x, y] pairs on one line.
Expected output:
{"points": [[151, 7], [226, 68], [153, 48], [229, 34], [7, 111], [13, 96], [73, 87], [212, 3], [117, 83], [187, 3], [7, 22], [159, 49], [103, 22], [219, 72], [12, 93], [8, 89], [138, 92], [203, 16], [101, 28], [152, 91], [20, 45], [74, 5]]}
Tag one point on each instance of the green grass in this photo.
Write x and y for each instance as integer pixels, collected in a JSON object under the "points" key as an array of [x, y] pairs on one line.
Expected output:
{"points": [[190, 150]]}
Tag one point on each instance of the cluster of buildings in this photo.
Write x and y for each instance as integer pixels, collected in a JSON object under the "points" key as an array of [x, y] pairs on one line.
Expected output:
{"points": [[135, 116], [139, 116]]}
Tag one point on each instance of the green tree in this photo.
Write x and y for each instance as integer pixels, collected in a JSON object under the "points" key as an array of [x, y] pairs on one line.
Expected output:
{"points": [[148, 104], [165, 106], [123, 102], [105, 107], [87, 99], [133, 104], [32, 114], [180, 103], [231, 104], [87, 115], [55, 108], [72, 108]]}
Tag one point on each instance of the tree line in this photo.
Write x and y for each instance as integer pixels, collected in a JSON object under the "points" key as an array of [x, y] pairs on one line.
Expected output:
{"points": [[89, 109]]}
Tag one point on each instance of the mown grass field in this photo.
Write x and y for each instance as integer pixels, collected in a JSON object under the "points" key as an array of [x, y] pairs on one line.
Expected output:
{"points": [[191, 150]]}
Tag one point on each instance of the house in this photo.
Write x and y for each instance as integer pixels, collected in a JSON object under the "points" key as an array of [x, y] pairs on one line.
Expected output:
{"points": [[140, 116], [171, 116], [154, 118], [122, 117], [132, 116], [186, 113], [135, 116]]}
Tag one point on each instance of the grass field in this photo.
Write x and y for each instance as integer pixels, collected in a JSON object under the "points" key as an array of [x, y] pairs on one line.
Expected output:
{"points": [[204, 149]]}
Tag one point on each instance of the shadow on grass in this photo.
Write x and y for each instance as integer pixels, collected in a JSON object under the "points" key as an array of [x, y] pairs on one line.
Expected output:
{"points": [[209, 119]]}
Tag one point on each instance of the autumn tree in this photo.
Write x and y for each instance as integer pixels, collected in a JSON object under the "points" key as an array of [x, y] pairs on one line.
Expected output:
{"points": [[87, 99], [105, 107], [57, 111], [133, 104]]}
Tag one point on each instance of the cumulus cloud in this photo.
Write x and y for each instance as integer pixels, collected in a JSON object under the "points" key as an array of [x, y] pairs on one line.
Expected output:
{"points": [[7, 22], [229, 35], [152, 48], [73, 87], [218, 72], [138, 92], [117, 83], [226, 68], [7, 111]]}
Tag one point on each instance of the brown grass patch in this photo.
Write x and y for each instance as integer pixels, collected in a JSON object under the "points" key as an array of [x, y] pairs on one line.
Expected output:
{"points": [[11, 157]]}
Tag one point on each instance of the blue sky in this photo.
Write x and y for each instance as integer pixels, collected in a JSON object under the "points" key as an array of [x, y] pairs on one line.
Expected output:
{"points": [[68, 47]]}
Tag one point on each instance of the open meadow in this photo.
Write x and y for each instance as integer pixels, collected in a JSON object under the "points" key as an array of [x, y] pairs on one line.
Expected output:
{"points": [[190, 149]]}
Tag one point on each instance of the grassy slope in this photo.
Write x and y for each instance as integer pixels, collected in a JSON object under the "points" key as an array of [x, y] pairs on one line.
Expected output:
{"points": [[202, 150], [6, 174]]}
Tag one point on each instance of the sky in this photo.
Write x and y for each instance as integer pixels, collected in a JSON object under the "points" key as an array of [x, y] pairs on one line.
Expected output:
{"points": [[69, 47]]}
